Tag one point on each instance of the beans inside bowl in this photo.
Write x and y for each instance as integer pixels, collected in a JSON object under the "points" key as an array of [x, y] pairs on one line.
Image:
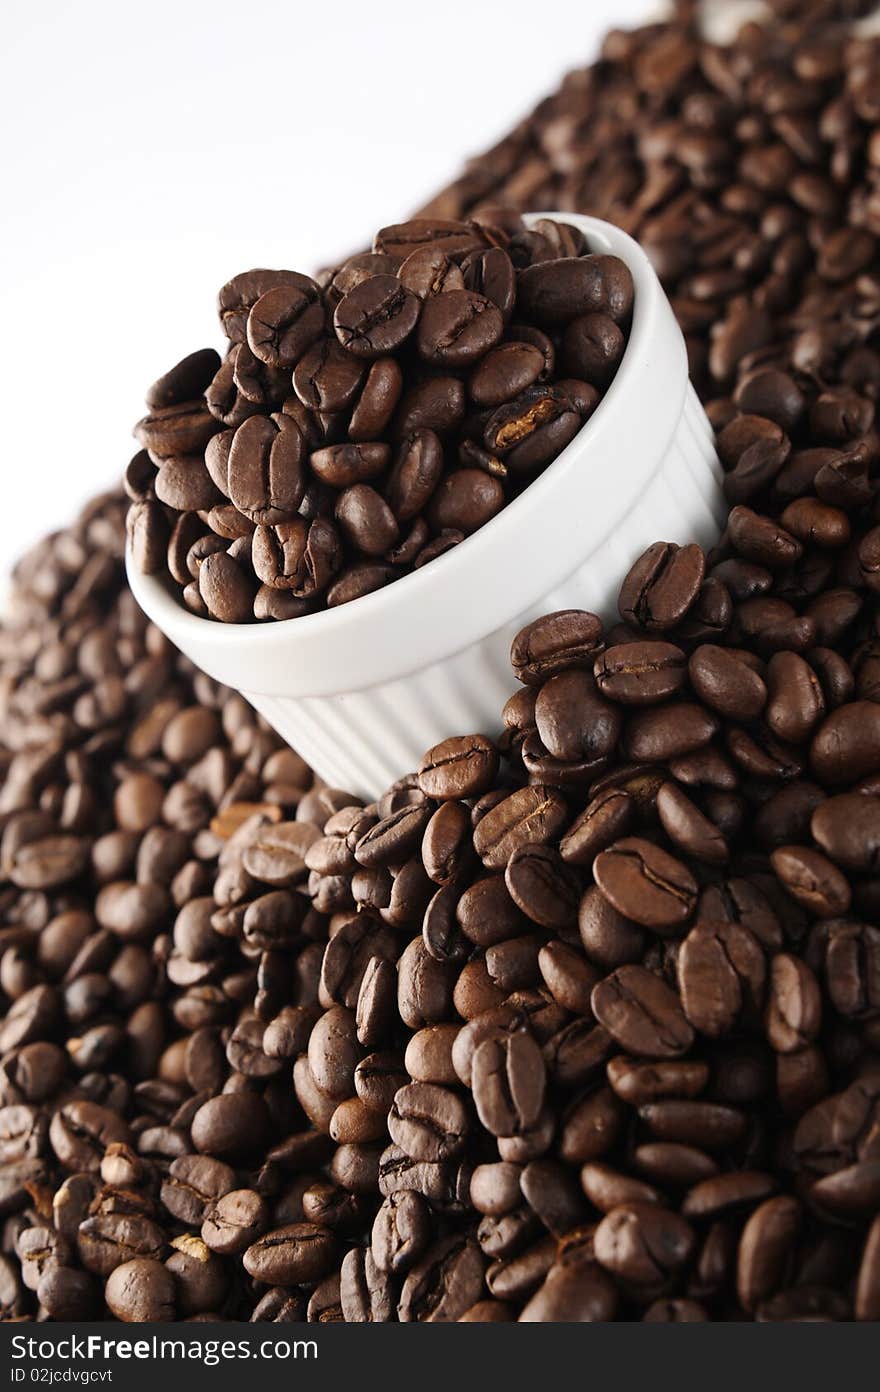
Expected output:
{"points": [[365, 423]]}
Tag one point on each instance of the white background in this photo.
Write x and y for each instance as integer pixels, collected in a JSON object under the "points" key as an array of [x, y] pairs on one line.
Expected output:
{"points": [[152, 150]]}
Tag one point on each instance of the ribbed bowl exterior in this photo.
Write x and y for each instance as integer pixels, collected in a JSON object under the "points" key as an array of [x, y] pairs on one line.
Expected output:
{"points": [[364, 739]]}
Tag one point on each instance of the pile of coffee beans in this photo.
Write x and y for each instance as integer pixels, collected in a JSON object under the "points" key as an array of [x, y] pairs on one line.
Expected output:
{"points": [[362, 426], [580, 1021]]}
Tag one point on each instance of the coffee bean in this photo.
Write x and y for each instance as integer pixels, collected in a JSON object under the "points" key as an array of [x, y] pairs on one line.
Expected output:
{"points": [[429, 271], [542, 886], [642, 1013], [868, 1288], [794, 1007], [531, 815], [284, 322], [457, 328], [644, 1244], [661, 586], [232, 1124], [297, 557], [640, 674], [80, 1133], [287, 1256], [265, 469], [185, 381], [508, 1084], [428, 1122], [529, 431], [656, 735], [727, 684], [721, 974], [376, 317], [437, 403], [765, 1248], [646, 884], [812, 880], [444, 1283], [327, 376], [846, 746], [459, 768], [556, 292], [451, 235], [688, 828], [141, 1290], [574, 723], [569, 638], [234, 1221], [504, 373], [192, 1184], [225, 589], [401, 1231]]}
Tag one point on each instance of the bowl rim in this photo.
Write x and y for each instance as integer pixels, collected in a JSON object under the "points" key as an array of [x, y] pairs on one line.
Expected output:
{"points": [[347, 648]]}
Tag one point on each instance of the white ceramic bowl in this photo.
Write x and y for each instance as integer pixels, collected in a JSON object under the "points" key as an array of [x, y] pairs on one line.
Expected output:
{"points": [[363, 690]]}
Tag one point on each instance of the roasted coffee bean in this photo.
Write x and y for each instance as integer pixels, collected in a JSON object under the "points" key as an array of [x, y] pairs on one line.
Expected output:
{"points": [[867, 1298], [592, 347], [415, 474], [575, 724], [225, 589], [376, 316], [457, 328], [606, 817], [233, 1124], [284, 322], [727, 684], [643, 1244], [504, 373], [192, 1184], [185, 381], [508, 1084], [608, 937], [642, 1013], [401, 1231], [640, 674], [234, 1221], [532, 815], [794, 1006], [646, 884], [429, 271], [662, 586], [444, 1283], [141, 1290], [80, 1133], [812, 880], [688, 828], [451, 235], [765, 1248], [569, 638], [847, 827], [288, 1256], [846, 746], [180, 431], [327, 377], [459, 768], [557, 291], [542, 886], [669, 731], [428, 1122], [529, 431], [721, 974]]}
